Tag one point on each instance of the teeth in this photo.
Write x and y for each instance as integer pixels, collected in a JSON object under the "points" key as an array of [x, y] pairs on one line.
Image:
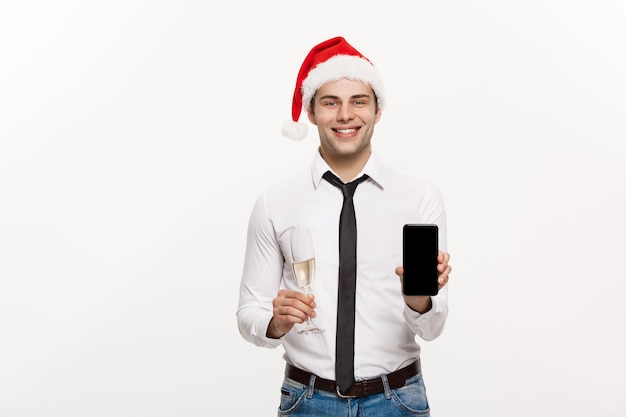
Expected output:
{"points": [[345, 131]]}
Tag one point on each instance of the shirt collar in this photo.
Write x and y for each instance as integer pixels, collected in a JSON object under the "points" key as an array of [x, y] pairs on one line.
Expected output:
{"points": [[373, 168]]}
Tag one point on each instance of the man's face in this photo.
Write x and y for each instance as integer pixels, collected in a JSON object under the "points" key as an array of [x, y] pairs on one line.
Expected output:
{"points": [[345, 113]]}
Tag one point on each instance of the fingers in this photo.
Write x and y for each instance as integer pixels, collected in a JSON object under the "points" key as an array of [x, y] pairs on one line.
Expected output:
{"points": [[443, 257], [291, 307], [297, 298], [443, 268]]}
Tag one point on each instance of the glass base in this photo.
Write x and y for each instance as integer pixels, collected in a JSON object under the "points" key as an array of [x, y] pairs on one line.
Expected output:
{"points": [[311, 330]]}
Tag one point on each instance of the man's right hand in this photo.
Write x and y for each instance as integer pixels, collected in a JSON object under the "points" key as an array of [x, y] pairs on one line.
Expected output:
{"points": [[289, 307]]}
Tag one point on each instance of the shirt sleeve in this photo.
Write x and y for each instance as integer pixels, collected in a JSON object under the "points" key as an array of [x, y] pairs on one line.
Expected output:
{"points": [[261, 278], [430, 325]]}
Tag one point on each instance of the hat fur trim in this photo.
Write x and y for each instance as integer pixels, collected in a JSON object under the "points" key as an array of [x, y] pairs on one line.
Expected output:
{"points": [[338, 67]]}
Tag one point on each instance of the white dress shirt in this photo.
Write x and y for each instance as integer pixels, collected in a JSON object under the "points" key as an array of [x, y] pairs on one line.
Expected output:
{"points": [[385, 327]]}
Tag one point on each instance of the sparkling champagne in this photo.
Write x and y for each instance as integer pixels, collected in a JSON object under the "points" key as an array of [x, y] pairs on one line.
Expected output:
{"points": [[304, 272]]}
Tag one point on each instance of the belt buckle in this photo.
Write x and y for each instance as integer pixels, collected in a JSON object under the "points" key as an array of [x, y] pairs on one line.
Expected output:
{"points": [[346, 397]]}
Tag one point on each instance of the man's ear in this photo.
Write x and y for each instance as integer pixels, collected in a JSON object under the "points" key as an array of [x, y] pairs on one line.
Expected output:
{"points": [[311, 115], [379, 113]]}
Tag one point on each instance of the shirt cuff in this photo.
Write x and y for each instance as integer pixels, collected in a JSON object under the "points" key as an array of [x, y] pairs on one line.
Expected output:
{"points": [[427, 325], [260, 332]]}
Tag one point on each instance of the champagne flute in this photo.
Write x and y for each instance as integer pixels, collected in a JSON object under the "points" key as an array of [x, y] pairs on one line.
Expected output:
{"points": [[303, 265]]}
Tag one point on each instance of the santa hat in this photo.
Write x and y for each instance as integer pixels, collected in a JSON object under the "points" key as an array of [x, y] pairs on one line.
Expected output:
{"points": [[331, 60]]}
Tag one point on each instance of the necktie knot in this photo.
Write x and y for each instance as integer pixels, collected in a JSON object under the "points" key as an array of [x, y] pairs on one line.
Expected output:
{"points": [[349, 188]]}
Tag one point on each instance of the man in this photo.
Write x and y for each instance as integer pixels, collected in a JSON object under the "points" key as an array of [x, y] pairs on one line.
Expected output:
{"points": [[342, 94]]}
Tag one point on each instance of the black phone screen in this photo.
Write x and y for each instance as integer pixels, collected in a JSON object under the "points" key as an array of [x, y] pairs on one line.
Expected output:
{"points": [[420, 246]]}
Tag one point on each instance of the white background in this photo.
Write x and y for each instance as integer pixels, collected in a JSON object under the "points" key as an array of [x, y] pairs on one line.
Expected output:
{"points": [[136, 135]]}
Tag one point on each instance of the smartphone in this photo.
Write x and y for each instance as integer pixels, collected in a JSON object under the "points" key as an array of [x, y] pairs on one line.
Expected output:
{"points": [[420, 247]]}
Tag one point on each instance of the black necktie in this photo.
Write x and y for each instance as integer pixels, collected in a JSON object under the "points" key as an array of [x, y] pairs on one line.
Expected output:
{"points": [[344, 349]]}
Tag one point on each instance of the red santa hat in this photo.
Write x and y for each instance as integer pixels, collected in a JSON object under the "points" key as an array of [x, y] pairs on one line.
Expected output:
{"points": [[331, 60]]}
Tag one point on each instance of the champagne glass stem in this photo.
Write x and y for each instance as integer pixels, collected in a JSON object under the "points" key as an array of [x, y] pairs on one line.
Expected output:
{"points": [[307, 291]]}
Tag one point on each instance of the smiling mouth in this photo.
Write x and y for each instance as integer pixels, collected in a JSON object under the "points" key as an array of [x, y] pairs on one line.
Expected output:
{"points": [[345, 131]]}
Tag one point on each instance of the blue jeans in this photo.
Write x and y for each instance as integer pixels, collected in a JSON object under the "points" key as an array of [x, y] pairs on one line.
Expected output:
{"points": [[300, 400]]}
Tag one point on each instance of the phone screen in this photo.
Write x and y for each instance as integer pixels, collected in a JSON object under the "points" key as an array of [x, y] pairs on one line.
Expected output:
{"points": [[420, 248]]}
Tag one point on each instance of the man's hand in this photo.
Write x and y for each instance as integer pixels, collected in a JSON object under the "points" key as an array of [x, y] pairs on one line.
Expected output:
{"points": [[423, 303], [289, 308]]}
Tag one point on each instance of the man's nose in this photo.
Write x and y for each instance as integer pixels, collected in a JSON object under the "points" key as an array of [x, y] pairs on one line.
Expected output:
{"points": [[345, 113]]}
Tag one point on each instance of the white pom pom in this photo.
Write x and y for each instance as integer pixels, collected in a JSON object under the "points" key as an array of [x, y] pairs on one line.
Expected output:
{"points": [[294, 130]]}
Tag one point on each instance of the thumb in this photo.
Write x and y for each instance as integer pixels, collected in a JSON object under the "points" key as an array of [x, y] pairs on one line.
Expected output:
{"points": [[400, 271]]}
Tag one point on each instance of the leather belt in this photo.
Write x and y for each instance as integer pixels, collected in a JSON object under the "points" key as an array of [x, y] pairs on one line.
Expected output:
{"points": [[361, 388]]}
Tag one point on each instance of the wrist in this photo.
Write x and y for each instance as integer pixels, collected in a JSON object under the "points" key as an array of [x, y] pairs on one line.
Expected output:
{"points": [[272, 332], [420, 304]]}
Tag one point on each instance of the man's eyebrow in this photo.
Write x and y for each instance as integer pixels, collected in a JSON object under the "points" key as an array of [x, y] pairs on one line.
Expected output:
{"points": [[356, 96]]}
